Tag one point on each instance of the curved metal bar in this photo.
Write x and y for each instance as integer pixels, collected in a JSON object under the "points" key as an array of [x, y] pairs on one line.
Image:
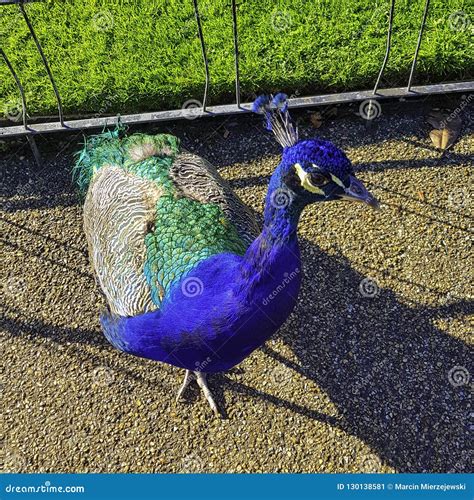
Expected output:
{"points": [[45, 62], [387, 51], [236, 53], [204, 56], [19, 85], [420, 36]]}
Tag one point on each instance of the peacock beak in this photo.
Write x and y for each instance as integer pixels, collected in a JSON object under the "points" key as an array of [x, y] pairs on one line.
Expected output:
{"points": [[358, 192]]}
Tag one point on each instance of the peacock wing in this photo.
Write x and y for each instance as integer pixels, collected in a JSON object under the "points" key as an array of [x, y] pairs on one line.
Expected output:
{"points": [[197, 179], [152, 214], [118, 211], [200, 217]]}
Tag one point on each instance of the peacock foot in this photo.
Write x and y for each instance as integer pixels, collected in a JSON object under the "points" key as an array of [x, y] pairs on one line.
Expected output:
{"points": [[202, 383]]}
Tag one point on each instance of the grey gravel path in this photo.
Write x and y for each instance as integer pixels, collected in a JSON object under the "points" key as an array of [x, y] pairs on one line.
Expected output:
{"points": [[371, 372]]}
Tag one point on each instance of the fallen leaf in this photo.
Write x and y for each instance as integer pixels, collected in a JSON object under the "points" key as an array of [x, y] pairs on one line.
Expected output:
{"points": [[442, 139], [447, 126]]}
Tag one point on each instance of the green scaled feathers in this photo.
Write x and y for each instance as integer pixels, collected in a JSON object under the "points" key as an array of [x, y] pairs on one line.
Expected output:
{"points": [[186, 233]]}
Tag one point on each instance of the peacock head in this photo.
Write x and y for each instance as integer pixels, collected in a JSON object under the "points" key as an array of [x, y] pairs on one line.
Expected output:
{"points": [[311, 170]]}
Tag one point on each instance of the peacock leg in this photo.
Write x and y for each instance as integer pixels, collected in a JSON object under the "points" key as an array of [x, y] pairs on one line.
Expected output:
{"points": [[186, 381], [202, 382]]}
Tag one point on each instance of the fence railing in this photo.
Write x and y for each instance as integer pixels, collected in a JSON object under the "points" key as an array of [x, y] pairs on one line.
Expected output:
{"points": [[298, 102]]}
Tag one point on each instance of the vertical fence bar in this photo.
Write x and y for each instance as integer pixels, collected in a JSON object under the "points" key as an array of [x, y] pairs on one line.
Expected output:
{"points": [[387, 50], [19, 85], [204, 56], [45, 62], [236, 53], [418, 44]]}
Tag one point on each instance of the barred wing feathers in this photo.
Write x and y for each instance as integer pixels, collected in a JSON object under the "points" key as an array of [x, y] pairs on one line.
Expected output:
{"points": [[118, 210], [149, 222]]}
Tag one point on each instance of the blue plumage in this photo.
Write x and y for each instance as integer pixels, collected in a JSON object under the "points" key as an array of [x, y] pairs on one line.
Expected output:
{"points": [[228, 304]]}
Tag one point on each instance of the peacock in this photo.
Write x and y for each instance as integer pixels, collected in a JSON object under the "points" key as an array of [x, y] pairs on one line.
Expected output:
{"points": [[188, 276]]}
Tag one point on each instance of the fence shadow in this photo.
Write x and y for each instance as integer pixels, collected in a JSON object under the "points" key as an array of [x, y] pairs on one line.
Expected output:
{"points": [[382, 363]]}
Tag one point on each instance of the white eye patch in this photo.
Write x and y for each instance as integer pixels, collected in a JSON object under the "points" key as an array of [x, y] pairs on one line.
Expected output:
{"points": [[305, 180], [338, 181]]}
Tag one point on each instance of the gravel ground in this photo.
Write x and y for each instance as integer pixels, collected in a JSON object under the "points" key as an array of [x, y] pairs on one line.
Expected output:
{"points": [[370, 373]]}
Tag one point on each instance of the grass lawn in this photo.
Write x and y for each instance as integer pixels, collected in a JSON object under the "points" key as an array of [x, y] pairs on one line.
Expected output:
{"points": [[138, 55]]}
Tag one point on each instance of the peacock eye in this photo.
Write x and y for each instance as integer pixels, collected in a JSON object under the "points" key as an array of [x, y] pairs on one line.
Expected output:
{"points": [[318, 179]]}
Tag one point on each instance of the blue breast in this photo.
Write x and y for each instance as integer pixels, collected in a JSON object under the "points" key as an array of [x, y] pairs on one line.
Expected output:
{"points": [[216, 316]]}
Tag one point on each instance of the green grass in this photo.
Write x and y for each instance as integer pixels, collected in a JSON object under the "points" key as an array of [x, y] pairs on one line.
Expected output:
{"points": [[148, 56]]}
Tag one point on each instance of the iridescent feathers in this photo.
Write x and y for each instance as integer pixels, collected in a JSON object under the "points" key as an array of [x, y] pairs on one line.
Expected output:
{"points": [[152, 213]]}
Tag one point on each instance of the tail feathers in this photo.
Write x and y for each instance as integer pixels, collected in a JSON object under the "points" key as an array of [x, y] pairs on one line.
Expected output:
{"points": [[98, 150], [112, 147]]}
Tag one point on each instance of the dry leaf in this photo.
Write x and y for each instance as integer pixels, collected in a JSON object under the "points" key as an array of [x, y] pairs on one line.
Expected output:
{"points": [[442, 139], [421, 195], [447, 126], [316, 119]]}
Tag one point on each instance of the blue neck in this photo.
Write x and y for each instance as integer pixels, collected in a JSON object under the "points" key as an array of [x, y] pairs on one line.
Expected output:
{"points": [[279, 233]]}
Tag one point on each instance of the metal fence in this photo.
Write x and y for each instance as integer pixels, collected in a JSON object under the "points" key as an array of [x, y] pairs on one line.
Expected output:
{"points": [[299, 102]]}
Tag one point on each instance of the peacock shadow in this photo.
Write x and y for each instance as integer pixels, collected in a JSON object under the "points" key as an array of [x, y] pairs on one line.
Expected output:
{"points": [[382, 363]]}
